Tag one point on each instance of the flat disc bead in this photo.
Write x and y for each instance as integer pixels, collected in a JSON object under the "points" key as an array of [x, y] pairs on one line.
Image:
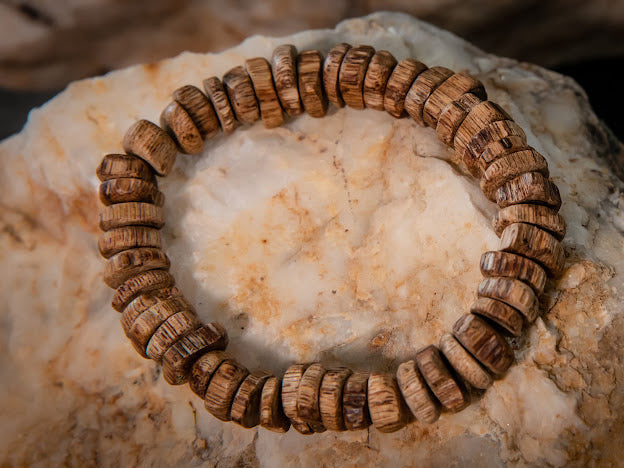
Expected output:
{"points": [[272, 415], [178, 124], [417, 395], [308, 408], [246, 404], [399, 83], [540, 216], [422, 88], [509, 265], [439, 379], [290, 390], [199, 109], [531, 187], [494, 131], [124, 265], [331, 71], [203, 369], [499, 148], [377, 74], [131, 214], [512, 292], [152, 144], [143, 302], [452, 117], [221, 104], [309, 65], [223, 387], [463, 363], [172, 329], [118, 166], [503, 315], [355, 402], [450, 90], [352, 73], [241, 94], [509, 167], [484, 343], [128, 189], [284, 67], [330, 398], [142, 283], [385, 403], [127, 237], [270, 109]]}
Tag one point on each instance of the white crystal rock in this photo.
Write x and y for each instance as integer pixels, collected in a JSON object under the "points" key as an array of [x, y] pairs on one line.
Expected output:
{"points": [[353, 239]]}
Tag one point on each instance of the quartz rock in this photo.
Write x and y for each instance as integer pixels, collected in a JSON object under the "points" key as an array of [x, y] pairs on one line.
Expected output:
{"points": [[353, 239]]}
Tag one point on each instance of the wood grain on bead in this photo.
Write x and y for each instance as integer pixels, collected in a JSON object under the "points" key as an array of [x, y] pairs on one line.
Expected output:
{"points": [[352, 74], [512, 292], [290, 390], [221, 104], [484, 343], [262, 79], [531, 187], [308, 408], [379, 69], [385, 403], [416, 394], [139, 284], [535, 243], [509, 167], [538, 215], [143, 302], [118, 166], [203, 369], [440, 380], [200, 109], [331, 73], [309, 75], [499, 148], [246, 403], [463, 363], [178, 124], [128, 189], [223, 387], [509, 265], [284, 67], [241, 94], [124, 265], [172, 329], [128, 237], [355, 402], [450, 90], [131, 214], [503, 315], [452, 116], [495, 131], [330, 398], [421, 89], [272, 415], [152, 144], [399, 83]]}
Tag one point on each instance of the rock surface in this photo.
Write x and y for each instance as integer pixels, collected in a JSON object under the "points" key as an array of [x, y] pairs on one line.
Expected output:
{"points": [[353, 239]]}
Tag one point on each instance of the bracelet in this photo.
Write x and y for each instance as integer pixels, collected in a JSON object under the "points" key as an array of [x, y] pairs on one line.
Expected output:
{"points": [[162, 325]]}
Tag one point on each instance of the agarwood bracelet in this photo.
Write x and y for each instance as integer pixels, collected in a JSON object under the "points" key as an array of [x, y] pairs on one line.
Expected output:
{"points": [[162, 325]]}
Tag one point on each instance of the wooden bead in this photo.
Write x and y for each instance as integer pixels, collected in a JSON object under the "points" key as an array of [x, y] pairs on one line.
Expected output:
{"points": [[171, 330], [352, 73], [118, 166], [142, 283], [422, 88], [179, 358], [131, 214], [509, 167], [241, 94], [385, 403], [178, 124], [450, 90], [308, 408], [376, 78], [127, 237], [439, 379], [223, 387], [272, 415], [284, 67], [508, 318], [541, 216], [355, 402], [509, 265], [270, 109], [290, 390], [532, 242], [221, 104], [143, 302], [199, 108], [463, 363], [130, 190], [494, 131], [399, 84], [416, 393], [203, 369], [452, 117], [246, 404], [530, 187], [484, 343], [502, 147], [152, 144], [309, 65], [330, 399], [331, 71], [512, 292], [124, 265]]}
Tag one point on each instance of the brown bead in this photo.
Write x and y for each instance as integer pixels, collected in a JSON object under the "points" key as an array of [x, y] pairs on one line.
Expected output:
{"points": [[439, 379], [508, 318], [308, 408], [452, 117], [203, 369], [399, 84], [377, 74], [143, 302], [290, 390], [131, 214], [241, 94], [512, 292], [509, 265], [246, 404], [172, 329], [416, 393], [221, 104], [272, 415], [270, 109], [463, 363], [124, 265], [496, 149], [355, 402], [128, 237], [330, 398], [130, 190], [284, 67], [223, 387], [352, 73], [450, 90], [541, 216], [509, 167], [331, 71], [309, 65], [530, 187], [532, 242], [199, 108], [385, 403], [178, 124], [118, 166], [152, 144], [422, 88], [484, 343], [139, 284]]}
